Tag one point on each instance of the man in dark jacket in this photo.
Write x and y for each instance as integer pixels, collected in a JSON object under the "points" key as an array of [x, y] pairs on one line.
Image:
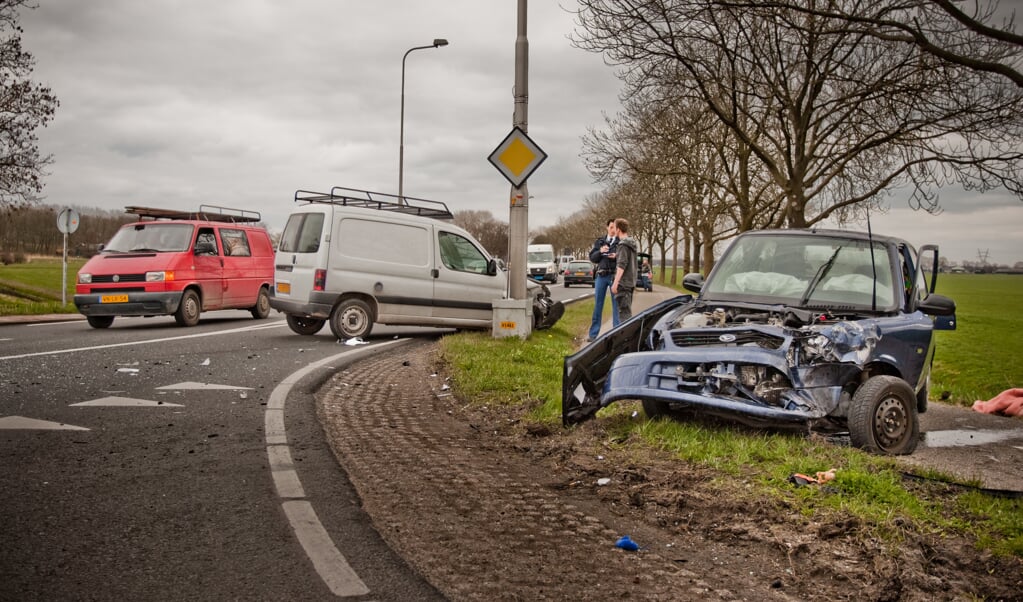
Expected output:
{"points": [[603, 257], [625, 271]]}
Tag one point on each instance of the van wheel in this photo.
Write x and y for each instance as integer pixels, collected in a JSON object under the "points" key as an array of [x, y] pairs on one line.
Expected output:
{"points": [[189, 309], [100, 321], [350, 319], [262, 307], [304, 326]]}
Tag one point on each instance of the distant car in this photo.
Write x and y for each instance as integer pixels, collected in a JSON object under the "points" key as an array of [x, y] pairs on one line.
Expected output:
{"points": [[823, 330], [578, 272]]}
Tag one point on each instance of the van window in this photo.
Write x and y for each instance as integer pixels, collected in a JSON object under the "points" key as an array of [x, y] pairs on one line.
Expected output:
{"points": [[235, 243], [381, 241], [458, 253], [206, 242], [302, 233]]}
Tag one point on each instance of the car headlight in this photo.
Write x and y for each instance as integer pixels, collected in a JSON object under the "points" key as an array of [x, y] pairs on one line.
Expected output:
{"points": [[84, 278], [159, 276]]}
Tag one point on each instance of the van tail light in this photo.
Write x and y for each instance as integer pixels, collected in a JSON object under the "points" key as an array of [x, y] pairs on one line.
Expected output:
{"points": [[320, 280]]}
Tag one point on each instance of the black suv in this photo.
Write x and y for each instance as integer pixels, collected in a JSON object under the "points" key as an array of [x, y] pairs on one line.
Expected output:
{"points": [[818, 329]]}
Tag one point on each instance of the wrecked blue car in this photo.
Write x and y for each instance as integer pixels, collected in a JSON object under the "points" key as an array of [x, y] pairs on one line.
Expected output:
{"points": [[818, 330]]}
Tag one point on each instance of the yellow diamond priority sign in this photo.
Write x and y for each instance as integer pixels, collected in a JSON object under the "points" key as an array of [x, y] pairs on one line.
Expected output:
{"points": [[517, 157]]}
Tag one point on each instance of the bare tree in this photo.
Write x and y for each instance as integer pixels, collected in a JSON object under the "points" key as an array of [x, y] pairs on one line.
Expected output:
{"points": [[489, 231], [836, 116], [25, 106]]}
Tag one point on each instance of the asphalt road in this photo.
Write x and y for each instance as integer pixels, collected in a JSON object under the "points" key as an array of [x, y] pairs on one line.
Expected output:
{"points": [[134, 466]]}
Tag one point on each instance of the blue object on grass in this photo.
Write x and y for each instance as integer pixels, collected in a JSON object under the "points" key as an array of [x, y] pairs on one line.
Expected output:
{"points": [[625, 542]]}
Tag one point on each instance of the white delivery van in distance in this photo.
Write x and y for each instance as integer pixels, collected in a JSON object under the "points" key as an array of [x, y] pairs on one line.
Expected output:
{"points": [[353, 258], [542, 263]]}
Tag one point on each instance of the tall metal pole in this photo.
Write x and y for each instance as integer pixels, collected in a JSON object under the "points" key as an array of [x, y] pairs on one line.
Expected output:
{"points": [[401, 135], [518, 219]]}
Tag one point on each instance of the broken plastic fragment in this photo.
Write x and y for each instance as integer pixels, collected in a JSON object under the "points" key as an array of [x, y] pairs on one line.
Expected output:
{"points": [[205, 362], [625, 542], [355, 341], [603, 481]]}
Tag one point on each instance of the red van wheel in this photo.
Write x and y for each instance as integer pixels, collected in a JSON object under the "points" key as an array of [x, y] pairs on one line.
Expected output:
{"points": [[262, 307], [189, 309]]}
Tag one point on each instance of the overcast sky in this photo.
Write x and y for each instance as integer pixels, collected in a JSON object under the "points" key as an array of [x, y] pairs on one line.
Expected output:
{"points": [[239, 103]]}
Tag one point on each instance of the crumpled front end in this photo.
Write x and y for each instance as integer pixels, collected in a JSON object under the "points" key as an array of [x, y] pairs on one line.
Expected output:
{"points": [[758, 370]]}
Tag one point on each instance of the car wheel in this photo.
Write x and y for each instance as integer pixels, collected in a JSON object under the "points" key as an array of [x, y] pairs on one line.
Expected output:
{"points": [[923, 395], [566, 284], [100, 321], [262, 307], [351, 319], [656, 409], [189, 309], [883, 418], [304, 326]]}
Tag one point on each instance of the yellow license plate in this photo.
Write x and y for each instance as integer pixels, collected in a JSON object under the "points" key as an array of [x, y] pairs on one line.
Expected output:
{"points": [[284, 288], [113, 299]]}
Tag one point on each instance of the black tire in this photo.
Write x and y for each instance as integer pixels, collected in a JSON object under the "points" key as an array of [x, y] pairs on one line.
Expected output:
{"points": [[262, 307], [656, 409], [304, 326], [352, 318], [100, 321], [566, 284], [189, 309], [883, 417], [923, 395]]}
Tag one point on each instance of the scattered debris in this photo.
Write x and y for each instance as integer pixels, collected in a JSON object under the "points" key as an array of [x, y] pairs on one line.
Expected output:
{"points": [[205, 362], [820, 478], [625, 542], [603, 481], [352, 342]]}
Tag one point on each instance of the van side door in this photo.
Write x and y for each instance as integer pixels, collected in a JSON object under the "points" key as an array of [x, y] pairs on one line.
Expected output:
{"points": [[463, 289], [241, 283]]}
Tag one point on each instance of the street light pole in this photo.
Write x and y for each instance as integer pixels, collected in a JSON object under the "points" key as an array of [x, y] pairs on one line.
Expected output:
{"points": [[401, 139]]}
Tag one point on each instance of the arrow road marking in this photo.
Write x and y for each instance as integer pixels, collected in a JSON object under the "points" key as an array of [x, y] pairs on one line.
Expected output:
{"points": [[31, 424], [193, 386], [127, 402]]}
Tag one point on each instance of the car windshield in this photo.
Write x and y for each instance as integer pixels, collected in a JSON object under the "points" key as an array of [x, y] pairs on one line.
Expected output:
{"points": [[809, 271], [150, 237]]}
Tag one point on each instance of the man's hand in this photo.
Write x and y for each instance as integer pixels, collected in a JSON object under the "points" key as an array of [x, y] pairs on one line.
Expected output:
{"points": [[614, 288]]}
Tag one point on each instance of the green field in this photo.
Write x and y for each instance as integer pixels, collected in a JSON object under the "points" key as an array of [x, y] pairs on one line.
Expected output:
{"points": [[984, 355], [34, 288]]}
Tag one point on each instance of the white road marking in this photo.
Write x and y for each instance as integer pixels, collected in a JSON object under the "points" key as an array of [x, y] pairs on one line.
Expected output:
{"points": [[126, 402], [22, 423], [194, 386], [328, 561], [145, 342]]}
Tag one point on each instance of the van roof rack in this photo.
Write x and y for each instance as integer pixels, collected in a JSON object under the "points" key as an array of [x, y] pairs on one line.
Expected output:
{"points": [[209, 213], [353, 197]]}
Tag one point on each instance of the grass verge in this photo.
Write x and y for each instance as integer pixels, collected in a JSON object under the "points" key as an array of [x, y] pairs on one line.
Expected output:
{"points": [[525, 376]]}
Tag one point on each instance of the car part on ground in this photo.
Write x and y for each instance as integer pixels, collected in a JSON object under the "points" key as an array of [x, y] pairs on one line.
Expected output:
{"points": [[817, 330]]}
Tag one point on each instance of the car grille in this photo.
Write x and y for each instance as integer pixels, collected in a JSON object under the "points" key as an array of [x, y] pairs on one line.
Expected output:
{"points": [[707, 337], [107, 278]]}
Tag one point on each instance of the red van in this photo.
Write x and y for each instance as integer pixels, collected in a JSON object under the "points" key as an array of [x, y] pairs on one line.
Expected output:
{"points": [[179, 263]]}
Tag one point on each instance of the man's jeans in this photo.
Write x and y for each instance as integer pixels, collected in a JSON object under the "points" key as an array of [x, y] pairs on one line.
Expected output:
{"points": [[624, 301], [601, 288]]}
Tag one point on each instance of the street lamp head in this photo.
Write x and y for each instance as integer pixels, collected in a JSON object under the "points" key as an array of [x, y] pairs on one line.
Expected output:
{"points": [[440, 42]]}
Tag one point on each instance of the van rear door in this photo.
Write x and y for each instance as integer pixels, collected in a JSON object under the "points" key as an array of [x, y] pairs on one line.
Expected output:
{"points": [[304, 248]]}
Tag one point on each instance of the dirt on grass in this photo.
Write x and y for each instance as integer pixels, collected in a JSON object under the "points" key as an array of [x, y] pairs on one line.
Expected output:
{"points": [[487, 506]]}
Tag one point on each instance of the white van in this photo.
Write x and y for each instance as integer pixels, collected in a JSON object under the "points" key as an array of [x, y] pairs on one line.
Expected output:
{"points": [[355, 258], [542, 263]]}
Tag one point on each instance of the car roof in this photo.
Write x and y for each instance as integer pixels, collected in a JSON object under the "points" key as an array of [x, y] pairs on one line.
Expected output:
{"points": [[826, 232]]}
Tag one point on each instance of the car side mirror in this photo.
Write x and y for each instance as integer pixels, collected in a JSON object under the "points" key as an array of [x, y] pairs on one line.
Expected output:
{"points": [[693, 282], [492, 267], [937, 305]]}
